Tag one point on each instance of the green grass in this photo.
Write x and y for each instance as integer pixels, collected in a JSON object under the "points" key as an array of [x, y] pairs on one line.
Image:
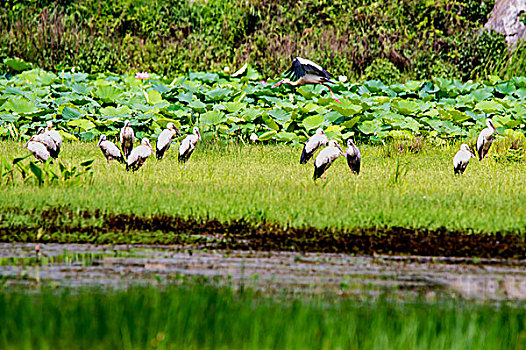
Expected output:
{"points": [[267, 183], [201, 317]]}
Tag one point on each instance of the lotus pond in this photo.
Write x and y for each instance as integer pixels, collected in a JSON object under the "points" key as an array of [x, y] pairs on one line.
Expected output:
{"points": [[223, 106]]}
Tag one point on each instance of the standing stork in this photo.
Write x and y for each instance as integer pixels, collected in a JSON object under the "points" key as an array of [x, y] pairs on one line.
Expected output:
{"points": [[54, 135], [461, 159], [354, 157], [188, 145], [303, 72], [44, 138], [165, 139], [485, 139], [127, 139], [110, 150], [38, 149], [313, 143], [325, 158], [138, 155]]}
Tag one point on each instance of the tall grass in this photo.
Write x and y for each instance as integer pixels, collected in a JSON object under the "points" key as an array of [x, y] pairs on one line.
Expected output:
{"points": [[267, 183], [200, 317]]}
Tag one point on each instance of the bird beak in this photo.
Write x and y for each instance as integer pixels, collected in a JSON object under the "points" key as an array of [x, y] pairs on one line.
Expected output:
{"points": [[177, 132], [277, 84], [494, 128], [341, 150]]}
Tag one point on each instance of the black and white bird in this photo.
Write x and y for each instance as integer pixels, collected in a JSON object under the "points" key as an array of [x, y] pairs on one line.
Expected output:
{"points": [[313, 143], [188, 145], [461, 159], [354, 157], [485, 139], [325, 158], [44, 138], [38, 149], [110, 150], [165, 139], [303, 71], [127, 139], [54, 135], [138, 155]]}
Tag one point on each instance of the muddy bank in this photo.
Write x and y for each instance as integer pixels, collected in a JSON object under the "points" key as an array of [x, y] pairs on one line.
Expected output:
{"points": [[76, 265], [64, 225]]}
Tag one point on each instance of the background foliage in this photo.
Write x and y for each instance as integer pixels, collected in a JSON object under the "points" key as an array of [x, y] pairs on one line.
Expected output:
{"points": [[357, 38]]}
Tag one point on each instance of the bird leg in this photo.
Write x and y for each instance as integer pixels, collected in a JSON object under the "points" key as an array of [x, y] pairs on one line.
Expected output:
{"points": [[332, 94], [278, 83], [324, 176]]}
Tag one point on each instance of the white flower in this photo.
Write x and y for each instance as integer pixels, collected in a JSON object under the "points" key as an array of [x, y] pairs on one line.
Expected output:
{"points": [[342, 78]]}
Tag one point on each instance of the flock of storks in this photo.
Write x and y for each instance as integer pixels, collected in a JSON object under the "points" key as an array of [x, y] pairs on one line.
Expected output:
{"points": [[47, 142]]}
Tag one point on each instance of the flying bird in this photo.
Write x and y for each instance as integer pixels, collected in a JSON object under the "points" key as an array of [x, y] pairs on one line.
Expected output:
{"points": [[188, 145], [165, 139], [54, 135], [127, 139], [325, 158], [461, 159], [354, 157], [38, 149], [485, 139], [138, 155], [110, 150], [44, 138], [313, 143], [303, 72]]}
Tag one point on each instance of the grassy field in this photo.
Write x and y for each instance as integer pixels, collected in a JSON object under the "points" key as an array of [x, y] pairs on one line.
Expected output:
{"points": [[267, 183], [201, 317]]}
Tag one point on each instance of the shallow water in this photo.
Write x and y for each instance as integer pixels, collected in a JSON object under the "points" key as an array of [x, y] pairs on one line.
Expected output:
{"points": [[74, 265]]}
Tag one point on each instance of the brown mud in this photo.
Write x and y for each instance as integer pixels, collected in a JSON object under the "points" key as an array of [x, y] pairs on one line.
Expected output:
{"points": [[66, 225]]}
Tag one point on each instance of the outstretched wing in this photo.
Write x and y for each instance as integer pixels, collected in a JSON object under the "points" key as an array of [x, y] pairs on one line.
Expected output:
{"points": [[313, 68], [296, 70]]}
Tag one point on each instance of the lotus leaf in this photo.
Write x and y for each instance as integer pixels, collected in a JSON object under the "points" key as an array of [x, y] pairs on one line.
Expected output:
{"points": [[369, 127], [313, 122], [20, 105], [346, 108], [489, 106], [270, 122], [211, 118], [267, 135], [406, 107]]}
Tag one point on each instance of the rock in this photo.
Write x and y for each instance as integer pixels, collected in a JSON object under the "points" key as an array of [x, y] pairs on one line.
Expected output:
{"points": [[507, 18]]}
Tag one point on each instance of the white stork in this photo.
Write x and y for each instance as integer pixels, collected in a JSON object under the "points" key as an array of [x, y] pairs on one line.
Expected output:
{"points": [[354, 157], [38, 149], [325, 158], [138, 155], [303, 72], [44, 138], [188, 145], [54, 135], [165, 139], [127, 139], [485, 139], [313, 143], [461, 159], [110, 150]]}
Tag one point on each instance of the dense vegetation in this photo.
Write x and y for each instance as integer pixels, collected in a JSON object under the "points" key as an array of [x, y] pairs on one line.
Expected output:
{"points": [[200, 317], [390, 40], [83, 106]]}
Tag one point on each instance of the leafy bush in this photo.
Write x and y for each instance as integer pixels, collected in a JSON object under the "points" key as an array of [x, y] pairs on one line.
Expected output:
{"points": [[174, 36]]}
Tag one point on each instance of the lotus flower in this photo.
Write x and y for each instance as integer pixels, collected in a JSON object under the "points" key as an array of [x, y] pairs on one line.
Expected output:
{"points": [[142, 75]]}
